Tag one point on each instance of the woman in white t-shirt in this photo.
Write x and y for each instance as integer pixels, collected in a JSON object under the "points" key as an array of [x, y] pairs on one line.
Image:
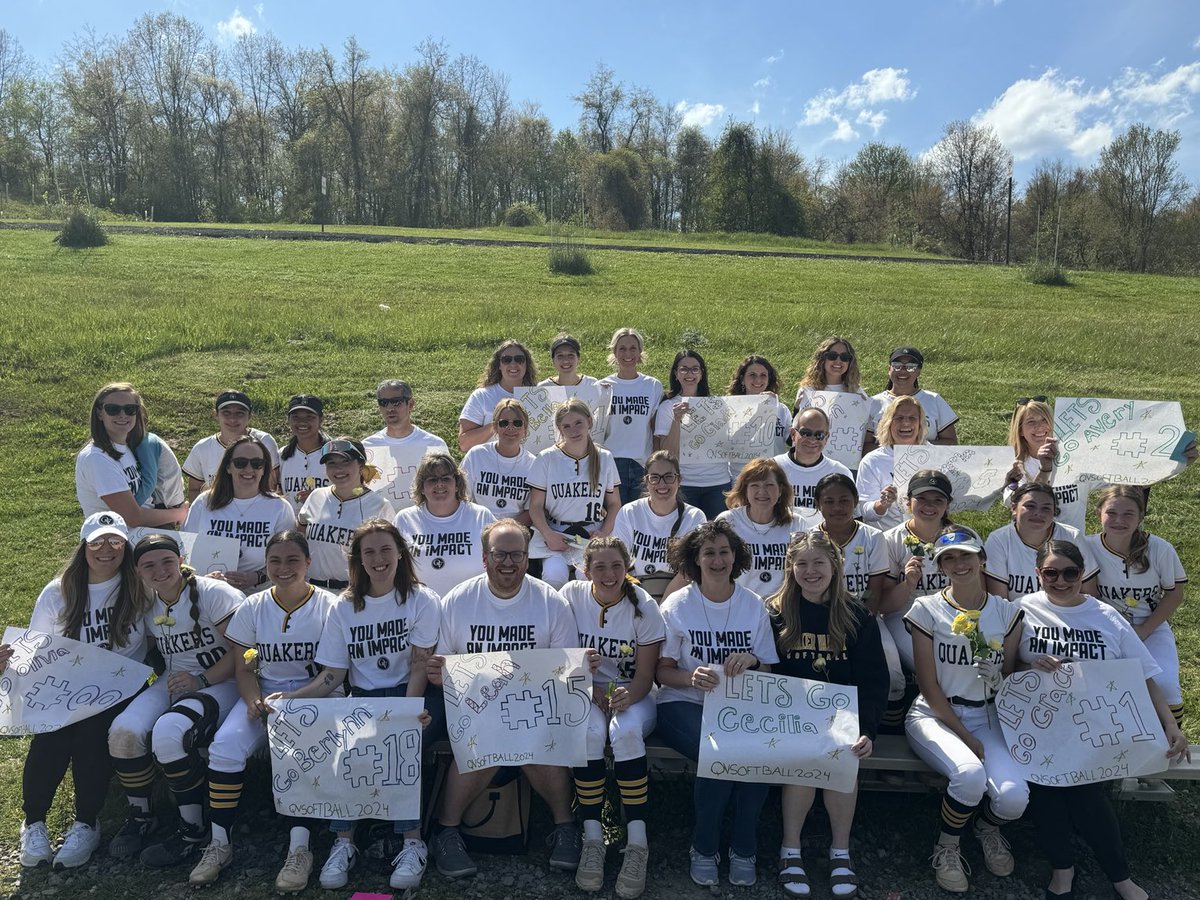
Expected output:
{"points": [[755, 375], [444, 530], [704, 484], [380, 634], [241, 505], [498, 471], [95, 600], [647, 526], [232, 410], [629, 433], [904, 370], [572, 489], [126, 468], [964, 640], [715, 629], [761, 512], [1097, 632], [901, 425], [510, 367], [330, 514], [300, 469], [565, 354], [1141, 577]]}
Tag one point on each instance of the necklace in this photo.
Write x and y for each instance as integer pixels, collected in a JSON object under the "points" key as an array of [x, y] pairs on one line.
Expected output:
{"points": [[704, 601]]}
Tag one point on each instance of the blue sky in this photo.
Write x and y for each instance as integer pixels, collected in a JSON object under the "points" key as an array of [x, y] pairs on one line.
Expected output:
{"points": [[1055, 78]]}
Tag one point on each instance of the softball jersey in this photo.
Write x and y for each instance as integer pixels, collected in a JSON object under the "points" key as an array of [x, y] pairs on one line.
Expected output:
{"points": [[938, 414], [1072, 496], [375, 646], [474, 620], [407, 453], [934, 614], [864, 554], [250, 522], [1011, 560], [206, 455], [767, 545], [646, 534], [628, 434], [615, 631], [50, 606], [570, 499], [703, 633], [180, 646], [329, 525], [301, 474], [1132, 593], [447, 550], [496, 482], [286, 641], [803, 479]]}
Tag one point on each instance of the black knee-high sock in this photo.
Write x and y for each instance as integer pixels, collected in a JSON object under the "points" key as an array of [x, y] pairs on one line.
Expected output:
{"points": [[589, 788], [187, 781], [224, 794], [137, 778], [955, 815], [634, 784], [1177, 713], [989, 815]]}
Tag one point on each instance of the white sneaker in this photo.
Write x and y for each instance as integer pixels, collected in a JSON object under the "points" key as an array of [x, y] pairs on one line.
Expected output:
{"points": [[342, 857], [409, 865], [35, 845], [80, 842], [213, 860]]}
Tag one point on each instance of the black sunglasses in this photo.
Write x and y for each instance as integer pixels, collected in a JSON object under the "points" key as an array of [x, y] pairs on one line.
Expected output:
{"points": [[809, 433], [240, 462], [515, 423], [116, 409], [830, 356], [392, 401], [1070, 573], [509, 360], [1040, 398]]}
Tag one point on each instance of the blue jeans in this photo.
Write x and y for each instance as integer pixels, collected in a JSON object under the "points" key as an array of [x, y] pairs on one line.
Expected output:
{"points": [[710, 500], [679, 727], [632, 472]]}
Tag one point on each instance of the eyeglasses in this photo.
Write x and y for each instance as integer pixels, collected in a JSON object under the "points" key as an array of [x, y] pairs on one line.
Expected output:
{"points": [[1040, 398], [439, 479], [113, 541], [510, 423], [904, 367], [514, 359], [831, 356], [1070, 573], [392, 401], [503, 556], [117, 409], [669, 478], [240, 462], [688, 370], [809, 433]]}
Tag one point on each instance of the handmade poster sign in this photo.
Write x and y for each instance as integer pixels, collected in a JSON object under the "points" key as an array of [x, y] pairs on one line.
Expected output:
{"points": [[210, 553], [978, 474], [729, 429], [1119, 441], [347, 757], [512, 709], [543, 401], [53, 681], [538, 549], [1088, 721], [395, 474], [848, 414], [780, 730]]}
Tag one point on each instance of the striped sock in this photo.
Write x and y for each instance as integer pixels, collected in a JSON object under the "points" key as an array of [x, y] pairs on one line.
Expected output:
{"points": [[589, 788], [955, 815], [1177, 713], [988, 815], [633, 784], [224, 794], [137, 778]]}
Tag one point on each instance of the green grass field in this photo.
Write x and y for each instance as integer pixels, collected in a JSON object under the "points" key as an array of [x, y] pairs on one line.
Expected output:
{"points": [[184, 318]]}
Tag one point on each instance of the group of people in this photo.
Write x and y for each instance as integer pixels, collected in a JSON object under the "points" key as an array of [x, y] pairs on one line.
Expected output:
{"points": [[673, 577]]}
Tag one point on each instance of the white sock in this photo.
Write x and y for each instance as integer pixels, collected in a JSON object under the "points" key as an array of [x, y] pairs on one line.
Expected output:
{"points": [[636, 833], [141, 804], [298, 839], [192, 813], [836, 857], [790, 853], [592, 830], [219, 834], [948, 840], [838, 854]]}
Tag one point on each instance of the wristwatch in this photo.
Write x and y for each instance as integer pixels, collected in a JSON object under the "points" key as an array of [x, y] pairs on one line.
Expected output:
{"points": [[203, 679]]}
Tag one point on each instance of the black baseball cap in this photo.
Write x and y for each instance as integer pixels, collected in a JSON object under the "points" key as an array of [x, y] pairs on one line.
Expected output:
{"points": [[225, 398], [343, 447], [930, 480], [916, 355], [307, 401]]}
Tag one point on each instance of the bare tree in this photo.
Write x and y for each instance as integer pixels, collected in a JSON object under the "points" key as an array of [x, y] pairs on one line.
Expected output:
{"points": [[347, 89], [601, 101], [971, 165]]}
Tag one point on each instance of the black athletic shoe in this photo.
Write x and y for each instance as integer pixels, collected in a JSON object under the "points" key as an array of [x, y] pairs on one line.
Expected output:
{"points": [[181, 847], [132, 836]]}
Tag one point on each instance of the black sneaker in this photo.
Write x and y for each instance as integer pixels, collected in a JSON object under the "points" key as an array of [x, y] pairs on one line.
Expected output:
{"points": [[566, 845], [132, 836], [181, 847]]}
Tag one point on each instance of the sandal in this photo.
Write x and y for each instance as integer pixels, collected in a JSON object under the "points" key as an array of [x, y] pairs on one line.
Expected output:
{"points": [[841, 872], [793, 878]]}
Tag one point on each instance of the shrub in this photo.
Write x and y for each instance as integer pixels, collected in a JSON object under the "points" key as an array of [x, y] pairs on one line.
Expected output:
{"points": [[82, 229], [523, 215], [570, 259], [1043, 273]]}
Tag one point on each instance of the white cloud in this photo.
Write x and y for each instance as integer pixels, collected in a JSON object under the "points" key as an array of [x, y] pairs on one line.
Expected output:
{"points": [[1053, 114], [236, 26], [1197, 44], [258, 9], [754, 107], [874, 88], [763, 82], [774, 58], [699, 114]]}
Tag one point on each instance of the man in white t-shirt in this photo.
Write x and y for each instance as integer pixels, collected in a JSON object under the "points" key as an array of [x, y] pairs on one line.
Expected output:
{"points": [[806, 463], [504, 609], [398, 447]]}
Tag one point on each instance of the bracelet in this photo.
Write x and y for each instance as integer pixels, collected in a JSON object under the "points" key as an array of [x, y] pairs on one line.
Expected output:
{"points": [[203, 679], [1044, 469]]}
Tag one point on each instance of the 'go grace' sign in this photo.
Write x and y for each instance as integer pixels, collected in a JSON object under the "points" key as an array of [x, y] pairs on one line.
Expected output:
{"points": [[780, 730]]}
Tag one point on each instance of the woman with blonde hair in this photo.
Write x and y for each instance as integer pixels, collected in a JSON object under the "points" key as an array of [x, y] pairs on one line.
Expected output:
{"points": [[902, 424], [572, 489], [498, 471], [510, 367], [629, 433]]}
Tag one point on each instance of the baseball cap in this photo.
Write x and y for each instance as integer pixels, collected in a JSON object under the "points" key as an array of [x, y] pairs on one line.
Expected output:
{"points": [[930, 480], [916, 355], [99, 524], [958, 539], [564, 340], [307, 401], [341, 447], [225, 398]]}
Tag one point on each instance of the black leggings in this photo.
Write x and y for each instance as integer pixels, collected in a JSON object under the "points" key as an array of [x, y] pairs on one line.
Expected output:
{"points": [[82, 746], [1059, 812]]}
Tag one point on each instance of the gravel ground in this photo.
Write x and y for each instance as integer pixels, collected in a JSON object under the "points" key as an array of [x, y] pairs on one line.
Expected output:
{"points": [[893, 837]]}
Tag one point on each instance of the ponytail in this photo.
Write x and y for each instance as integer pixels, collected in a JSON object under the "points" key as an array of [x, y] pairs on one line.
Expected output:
{"points": [[189, 579]]}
